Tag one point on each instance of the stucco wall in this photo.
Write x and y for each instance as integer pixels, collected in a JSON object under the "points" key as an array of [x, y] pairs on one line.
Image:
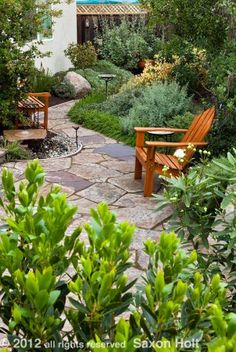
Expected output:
{"points": [[64, 32]]}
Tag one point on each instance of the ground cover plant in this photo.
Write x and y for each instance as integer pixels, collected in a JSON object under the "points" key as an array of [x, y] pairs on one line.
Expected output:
{"points": [[89, 112], [116, 117], [175, 301]]}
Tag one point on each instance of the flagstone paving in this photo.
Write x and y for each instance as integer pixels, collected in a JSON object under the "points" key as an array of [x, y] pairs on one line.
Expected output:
{"points": [[102, 171]]}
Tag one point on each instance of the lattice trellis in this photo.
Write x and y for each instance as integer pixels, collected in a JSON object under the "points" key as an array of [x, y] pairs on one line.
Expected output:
{"points": [[110, 9]]}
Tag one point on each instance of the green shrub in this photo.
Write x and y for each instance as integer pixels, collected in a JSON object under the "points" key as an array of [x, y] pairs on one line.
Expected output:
{"points": [[175, 302], [124, 45], [191, 64], [35, 252], [181, 121], [100, 287], [101, 67], [64, 90], [158, 104], [60, 75], [15, 151], [222, 83], [204, 205], [43, 81], [121, 103], [222, 137], [81, 55]]}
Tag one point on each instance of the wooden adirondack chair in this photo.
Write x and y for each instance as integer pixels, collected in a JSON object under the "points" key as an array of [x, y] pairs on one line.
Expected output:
{"points": [[147, 157]]}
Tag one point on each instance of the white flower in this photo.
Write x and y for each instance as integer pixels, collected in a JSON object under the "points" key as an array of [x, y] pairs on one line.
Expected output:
{"points": [[165, 168], [179, 153]]}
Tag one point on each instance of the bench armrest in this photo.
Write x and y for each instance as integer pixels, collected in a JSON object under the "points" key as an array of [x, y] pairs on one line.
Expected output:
{"points": [[42, 94]]}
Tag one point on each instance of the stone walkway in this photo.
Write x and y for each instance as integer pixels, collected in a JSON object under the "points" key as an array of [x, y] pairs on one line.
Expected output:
{"points": [[102, 171]]}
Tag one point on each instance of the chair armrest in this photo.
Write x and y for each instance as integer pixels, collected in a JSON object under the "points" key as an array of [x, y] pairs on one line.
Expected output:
{"points": [[175, 144], [150, 129]]}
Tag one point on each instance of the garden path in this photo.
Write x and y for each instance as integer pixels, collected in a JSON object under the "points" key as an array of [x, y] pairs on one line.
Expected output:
{"points": [[102, 171]]}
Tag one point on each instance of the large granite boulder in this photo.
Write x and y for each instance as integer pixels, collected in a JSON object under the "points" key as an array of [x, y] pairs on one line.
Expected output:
{"points": [[80, 84]]}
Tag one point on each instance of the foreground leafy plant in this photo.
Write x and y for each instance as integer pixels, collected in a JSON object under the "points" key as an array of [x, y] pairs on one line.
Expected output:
{"points": [[176, 299], [42, 268], [33, 255], [204, 204], [36, 254], [101, 284]]}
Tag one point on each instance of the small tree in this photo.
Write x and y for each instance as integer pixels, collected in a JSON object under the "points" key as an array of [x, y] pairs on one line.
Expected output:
{"points": [[204, 23], [20, 21]]}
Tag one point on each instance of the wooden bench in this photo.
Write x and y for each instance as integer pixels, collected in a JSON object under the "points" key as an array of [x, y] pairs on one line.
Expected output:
{"points": [[31, 108]]}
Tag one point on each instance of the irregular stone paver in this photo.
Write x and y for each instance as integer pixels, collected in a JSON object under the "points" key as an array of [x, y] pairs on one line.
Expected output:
{"points": [[116, 150], [147, 219], [129, 184], [56, 164], [93, 139], [48, 165], [93, 172], [84, 205], [131, 200], [67, 179], [102, 192], [119, 165], [87, 158], [85, 132]]}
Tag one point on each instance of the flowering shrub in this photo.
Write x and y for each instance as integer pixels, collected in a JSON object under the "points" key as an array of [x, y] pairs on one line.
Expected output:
{"points": [[191, 69], [160, 70], [187, 68]]}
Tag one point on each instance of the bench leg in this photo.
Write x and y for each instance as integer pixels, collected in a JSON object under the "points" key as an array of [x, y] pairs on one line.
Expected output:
{"points": [[138, 169], [148, 183], [45, 122]]}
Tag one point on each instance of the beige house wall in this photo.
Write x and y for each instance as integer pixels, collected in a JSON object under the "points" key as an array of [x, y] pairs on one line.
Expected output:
{"points": [[64, 33]]}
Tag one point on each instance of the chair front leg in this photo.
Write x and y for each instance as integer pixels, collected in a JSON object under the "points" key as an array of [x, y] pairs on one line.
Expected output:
{"points": [[150, 169], [148, 182], [138, 169]]}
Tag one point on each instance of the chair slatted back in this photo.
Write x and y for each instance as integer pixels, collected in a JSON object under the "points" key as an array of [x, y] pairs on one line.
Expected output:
{"points": [[200, 126], [198, 129]]}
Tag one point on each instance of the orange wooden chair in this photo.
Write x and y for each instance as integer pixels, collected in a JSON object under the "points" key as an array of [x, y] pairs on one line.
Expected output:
{"points": [[147, 157], [33, 105]]}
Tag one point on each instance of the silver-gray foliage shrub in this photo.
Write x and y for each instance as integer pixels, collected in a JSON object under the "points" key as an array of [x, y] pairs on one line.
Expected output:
{"points": [[158, 104]]}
